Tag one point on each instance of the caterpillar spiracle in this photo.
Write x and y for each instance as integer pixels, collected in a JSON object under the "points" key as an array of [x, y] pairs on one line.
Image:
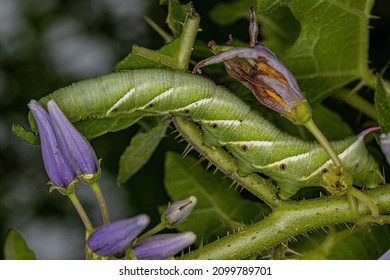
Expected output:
{"points": [[225, 120]]}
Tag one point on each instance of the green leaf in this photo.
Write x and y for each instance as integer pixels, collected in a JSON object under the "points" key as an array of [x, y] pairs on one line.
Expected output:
{"points": [[175, 55], [16, 248], [134, 61], [382, 103], [278, 28], [177, 14], [94, 128], [326, 119], [327, 54], [28, 136], [327, 49], [219, 206], [344, 244], [139, 151]]}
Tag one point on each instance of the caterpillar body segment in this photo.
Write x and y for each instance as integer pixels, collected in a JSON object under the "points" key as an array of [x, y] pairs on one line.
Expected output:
{"points": [[227, 121]]}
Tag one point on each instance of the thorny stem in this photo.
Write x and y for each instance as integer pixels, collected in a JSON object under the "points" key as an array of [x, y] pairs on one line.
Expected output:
{"points": [[368, 219], [351, 191], [290, 219], [255, 184]]}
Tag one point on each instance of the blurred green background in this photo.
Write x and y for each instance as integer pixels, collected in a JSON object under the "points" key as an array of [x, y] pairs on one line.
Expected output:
{"points": [[47, 44]]}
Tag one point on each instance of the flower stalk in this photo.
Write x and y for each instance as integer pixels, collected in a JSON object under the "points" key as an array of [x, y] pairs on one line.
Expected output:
{"points": [[80, 210], [101, 201]]}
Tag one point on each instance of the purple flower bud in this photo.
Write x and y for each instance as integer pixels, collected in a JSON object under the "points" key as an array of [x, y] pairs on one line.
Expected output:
{"points": [[385, 145], [112, 238], [176, 213], [264, 74], [77, 150], [163, 246], [53, 158], [385, 256]]}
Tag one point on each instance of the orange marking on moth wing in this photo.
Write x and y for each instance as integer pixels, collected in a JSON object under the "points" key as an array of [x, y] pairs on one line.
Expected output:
{"points": [[273, 95]]}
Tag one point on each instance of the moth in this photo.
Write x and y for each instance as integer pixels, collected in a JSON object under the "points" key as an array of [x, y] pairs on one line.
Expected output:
{"points": [[116, 100]]}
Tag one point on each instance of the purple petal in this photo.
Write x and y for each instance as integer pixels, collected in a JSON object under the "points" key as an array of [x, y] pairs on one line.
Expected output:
{"points": [[76, 148], [276, 64], [385, 145], [385, 256], [163, 246], [368, 130], [176, 213], [112, 238], [55, 164]]}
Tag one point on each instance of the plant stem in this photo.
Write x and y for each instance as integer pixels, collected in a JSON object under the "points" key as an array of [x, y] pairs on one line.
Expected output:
{"points": [[188, 36], [102, 202], [80, 210], [181, 61], [366, 200], [151, 232], [353, 205], [166, 36], [361, 104], [312, 127], [286, 221], [254, 183]]}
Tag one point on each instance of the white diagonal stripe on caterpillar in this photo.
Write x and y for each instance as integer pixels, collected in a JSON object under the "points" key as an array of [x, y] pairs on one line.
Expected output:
{"points": [[121, 101]]}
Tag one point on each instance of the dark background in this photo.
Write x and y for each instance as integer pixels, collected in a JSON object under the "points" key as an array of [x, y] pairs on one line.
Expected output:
{"points": [[47, 44]]}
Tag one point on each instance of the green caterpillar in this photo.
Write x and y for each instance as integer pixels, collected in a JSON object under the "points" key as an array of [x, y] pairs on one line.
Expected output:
{"points": [[118, 99]]}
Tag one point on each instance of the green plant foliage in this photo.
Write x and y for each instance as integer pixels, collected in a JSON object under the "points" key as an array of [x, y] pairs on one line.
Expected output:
{"points": [[134, 61], [278, 28], [139, 151], [16, 248], [343, 244], [325, 45], [382, 103], [326, 120], [331, 49], [220, 209], [177, 14], [332, 54], [25, 135]]}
